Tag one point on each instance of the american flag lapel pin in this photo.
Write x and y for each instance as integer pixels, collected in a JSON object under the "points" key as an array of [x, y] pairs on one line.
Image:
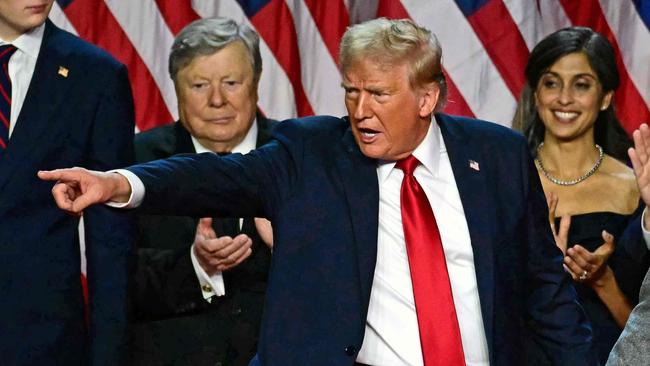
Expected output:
{"points": [[63, 71], [474, 165]]}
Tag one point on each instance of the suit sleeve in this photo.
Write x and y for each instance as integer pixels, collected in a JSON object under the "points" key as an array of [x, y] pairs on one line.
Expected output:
{"points": [[109, 232], [165, 285], [631, 258], [632, 346], [558, 323], [206, 185]]}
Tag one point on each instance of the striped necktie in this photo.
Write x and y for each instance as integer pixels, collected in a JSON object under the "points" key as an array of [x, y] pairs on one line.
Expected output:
{"points": [[6, 51]]}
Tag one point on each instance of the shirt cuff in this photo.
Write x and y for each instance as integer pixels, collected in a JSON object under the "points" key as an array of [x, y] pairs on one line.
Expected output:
{"points": [[646, 233], [210, 285], [137, 190]]}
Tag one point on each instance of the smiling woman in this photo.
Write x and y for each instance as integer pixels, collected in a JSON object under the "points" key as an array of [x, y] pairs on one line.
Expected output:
{"points": [[567, 114]]}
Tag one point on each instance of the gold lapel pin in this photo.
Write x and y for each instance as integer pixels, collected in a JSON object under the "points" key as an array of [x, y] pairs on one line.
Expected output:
{"points": [[63, 71], [474, 165]]}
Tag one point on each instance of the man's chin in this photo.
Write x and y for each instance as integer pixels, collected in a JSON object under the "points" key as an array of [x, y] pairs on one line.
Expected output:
{"points": [[372, 152]]}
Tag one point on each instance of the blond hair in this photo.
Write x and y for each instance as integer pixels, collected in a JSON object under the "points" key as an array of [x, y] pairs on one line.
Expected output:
{"points": [[392, 42]]}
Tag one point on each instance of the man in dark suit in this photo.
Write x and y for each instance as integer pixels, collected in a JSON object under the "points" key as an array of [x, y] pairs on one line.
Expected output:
{"points": [[189, 311], [400, 237], [70, 104]]}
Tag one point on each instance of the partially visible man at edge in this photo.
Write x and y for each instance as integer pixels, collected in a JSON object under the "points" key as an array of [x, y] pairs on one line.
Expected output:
{"points": [[387, 224], [201, 303], [64, 102]]}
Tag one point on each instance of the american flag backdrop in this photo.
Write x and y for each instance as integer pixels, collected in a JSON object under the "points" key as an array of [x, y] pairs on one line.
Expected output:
{"points": [[485, 47]]}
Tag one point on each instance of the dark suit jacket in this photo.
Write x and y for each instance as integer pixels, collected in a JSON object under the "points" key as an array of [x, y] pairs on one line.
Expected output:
{"points": [[84, 119], [322, 196], [175, 325]]}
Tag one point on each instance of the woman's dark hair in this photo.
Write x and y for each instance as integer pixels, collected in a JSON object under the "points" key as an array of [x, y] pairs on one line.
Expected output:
{"points": [[608, 131]]}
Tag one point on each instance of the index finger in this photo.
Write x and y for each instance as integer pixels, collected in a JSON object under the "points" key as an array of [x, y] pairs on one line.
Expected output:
{"points": [[57, 174], [62, 198]]}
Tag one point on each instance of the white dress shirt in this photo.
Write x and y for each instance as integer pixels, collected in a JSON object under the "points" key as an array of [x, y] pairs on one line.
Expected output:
{"points": [[21, 68], [210, 285], [646, 233], [392, 336], [214, 285]]}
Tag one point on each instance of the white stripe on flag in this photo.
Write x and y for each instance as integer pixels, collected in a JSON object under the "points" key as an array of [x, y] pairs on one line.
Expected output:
{"points": [[469, 66], [525, 16], [633, 39], [143, 22], [319, 74], [58, 17], [553, 16]]}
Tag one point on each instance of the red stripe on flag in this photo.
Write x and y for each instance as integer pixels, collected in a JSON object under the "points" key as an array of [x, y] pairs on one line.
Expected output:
{"points": [[332, 18], [274, 23], [392, 9], [94, 22], [177, 14], [456, 104], [630, 107], [503, 42]]}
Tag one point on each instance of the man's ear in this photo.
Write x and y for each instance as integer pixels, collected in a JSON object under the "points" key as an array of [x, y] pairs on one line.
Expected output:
{"points": [[428, 99]]}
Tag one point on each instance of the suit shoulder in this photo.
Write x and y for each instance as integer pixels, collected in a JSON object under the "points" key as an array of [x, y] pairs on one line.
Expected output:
{"points": [[154, 135], [314, 127], [71, 45], [156, 143], [480, 129]]}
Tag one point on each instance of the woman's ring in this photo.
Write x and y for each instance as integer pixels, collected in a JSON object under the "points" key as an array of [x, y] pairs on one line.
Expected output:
{"points": [[583, 275]]}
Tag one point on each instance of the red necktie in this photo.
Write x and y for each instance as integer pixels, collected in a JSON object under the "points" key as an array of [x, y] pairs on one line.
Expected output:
{"points": [[434, 302], [6, 51]]}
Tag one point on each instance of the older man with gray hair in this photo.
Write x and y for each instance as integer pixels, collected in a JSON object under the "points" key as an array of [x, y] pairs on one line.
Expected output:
{"points": [[200, 283]]}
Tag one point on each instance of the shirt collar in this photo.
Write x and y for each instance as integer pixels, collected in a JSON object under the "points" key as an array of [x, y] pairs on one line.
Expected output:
{"points": [[244, 147], [428, 153], [30, 42]]}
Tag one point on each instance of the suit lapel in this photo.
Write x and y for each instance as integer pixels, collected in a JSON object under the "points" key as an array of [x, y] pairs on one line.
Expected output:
{"points": [[470, 166], [359, 176], [47, 90], [264, 128], [183, 141]]}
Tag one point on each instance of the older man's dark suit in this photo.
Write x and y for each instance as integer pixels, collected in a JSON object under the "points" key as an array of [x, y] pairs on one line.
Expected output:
{"points": [[321, 193], [175, 325], [78, 112]]}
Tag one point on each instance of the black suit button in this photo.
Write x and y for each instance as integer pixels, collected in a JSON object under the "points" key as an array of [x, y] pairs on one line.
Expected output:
{"points": [[350, 350], [218, 363], [237, 311]]}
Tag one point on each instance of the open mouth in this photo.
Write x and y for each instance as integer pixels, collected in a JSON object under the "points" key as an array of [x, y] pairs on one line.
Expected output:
{"points": [[565, 116], [367, 133]]}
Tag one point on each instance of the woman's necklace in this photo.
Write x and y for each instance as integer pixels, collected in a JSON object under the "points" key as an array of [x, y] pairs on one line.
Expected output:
{"points": [[571, 182]]}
